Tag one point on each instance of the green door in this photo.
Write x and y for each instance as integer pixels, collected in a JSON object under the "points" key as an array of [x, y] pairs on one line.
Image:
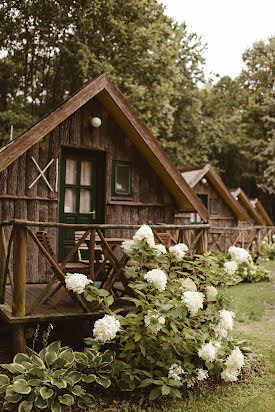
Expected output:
{"points": [[82, 193]]}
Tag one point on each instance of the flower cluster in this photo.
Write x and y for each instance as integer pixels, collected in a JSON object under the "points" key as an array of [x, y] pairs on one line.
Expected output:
{"points": [[144, 233], [230, 267], [202, 374], [211, 293], [105, 329], [233, 363], [208, 352], [77, 282], [154, 321], [225, 323], [193, 301], [127, 246], [157, 277], [178, 251], [159, 249], [188, 284], [175, 372], [238, 254]]}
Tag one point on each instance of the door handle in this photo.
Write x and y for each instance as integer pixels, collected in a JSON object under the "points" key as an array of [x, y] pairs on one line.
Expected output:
{"points": [[93, 212]]}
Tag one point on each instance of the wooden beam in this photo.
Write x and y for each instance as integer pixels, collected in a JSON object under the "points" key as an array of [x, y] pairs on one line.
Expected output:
{"points": [[19, 293]]}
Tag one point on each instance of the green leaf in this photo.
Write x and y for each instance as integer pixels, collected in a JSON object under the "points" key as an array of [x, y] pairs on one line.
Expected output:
{"points": [[13, 397], [86, 401], [66, 399], [25, 406], [60, 383], [21, 357], [109, 300], [176, 392], [37, 361], [103, 381], [56, 407], [41, 403], [7, 406], [21, 386], [78, 390], [73, 377], [165, 390], [4, 382], [46, 393], [137, 336], [146, 382], [155, 393], [142, 348]]}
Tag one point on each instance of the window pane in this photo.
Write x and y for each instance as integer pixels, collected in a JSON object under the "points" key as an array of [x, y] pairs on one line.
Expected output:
{"points": [[122, 179], [86, 173], [85, 201], [70, 200], [71, 172]]}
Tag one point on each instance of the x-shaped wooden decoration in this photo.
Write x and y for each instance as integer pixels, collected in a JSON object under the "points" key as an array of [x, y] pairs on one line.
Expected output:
{"points": [[41, 173]]}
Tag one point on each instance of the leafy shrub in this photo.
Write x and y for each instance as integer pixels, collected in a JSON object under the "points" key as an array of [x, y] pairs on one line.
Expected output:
{"points": [[268, 249], [174, 336], [54, 379]]}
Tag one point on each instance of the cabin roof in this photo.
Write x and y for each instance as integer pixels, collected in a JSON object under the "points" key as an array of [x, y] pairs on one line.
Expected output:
{"points": [[258, 205], [110, 96], [194, 174], [239, 194]]}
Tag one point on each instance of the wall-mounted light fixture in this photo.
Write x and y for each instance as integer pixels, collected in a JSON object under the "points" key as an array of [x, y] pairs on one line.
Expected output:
{"points": [[203, 180], [95, 121]]}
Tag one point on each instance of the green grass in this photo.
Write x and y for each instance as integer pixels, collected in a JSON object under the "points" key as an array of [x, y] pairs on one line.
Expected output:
{"points": [[254, 305]]}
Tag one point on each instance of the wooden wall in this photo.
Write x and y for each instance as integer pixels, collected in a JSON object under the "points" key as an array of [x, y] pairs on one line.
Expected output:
{"points": [[150, 203]]}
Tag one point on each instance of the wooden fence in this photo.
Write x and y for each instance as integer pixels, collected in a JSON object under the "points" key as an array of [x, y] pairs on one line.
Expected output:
{"points": [[195, 237]]}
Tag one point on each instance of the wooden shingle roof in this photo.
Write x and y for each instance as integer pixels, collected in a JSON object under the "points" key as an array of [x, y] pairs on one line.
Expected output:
{"points": [[195, 173], [104, 89], [239, 194], [258, 205]]}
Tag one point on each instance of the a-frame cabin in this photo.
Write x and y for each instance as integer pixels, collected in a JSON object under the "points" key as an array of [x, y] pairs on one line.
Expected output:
{"points": [[91, 160], [246, 204]]}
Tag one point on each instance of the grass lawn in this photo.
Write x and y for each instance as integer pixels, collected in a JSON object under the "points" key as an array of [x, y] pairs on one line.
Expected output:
{"points": [[254, 305]]}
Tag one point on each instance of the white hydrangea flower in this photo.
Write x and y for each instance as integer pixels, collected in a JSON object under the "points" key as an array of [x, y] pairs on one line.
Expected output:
{"points": [[235, 360], [211, 293], [208, 352], [145, 233], [188, 284], [225, 324], [157, 277], [238, 254], [202, 374], [127, 246], [175, 372], [230, 267], [159, 250], [193, 301], [105, 329], [178, 250], [76, 282], [154, 321], [230, 375]]}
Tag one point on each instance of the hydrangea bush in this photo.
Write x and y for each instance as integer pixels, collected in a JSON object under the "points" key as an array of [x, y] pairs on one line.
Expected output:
{"points": [[175, 335], [268, 249]]}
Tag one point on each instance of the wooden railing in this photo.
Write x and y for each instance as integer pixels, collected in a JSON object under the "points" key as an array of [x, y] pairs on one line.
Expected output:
{"points": [[195, 236], [249, 238]]}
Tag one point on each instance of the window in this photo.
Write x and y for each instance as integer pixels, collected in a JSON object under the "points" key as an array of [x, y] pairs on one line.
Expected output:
{"points": [[121, 179], [204, 199], [195, 218], [214, 206]]}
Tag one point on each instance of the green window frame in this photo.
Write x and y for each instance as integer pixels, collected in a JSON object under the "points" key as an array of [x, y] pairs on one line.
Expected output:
{"points": [[214, 206], [115, 175]]}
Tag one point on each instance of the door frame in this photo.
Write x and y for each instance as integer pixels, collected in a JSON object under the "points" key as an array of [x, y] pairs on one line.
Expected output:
{"points": [[100, 184]]}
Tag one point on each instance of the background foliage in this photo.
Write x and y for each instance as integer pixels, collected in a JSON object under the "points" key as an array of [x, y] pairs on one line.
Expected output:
{"points": [[50, 49]]}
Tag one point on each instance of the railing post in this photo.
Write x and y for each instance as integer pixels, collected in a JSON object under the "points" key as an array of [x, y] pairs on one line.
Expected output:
{"points": [[3, 257], [19, 293], [258, 244]]}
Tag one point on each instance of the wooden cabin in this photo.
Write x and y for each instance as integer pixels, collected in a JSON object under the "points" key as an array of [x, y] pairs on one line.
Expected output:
{"points": [[91, 160], [245, 203], [256, 204], [224, 210]]}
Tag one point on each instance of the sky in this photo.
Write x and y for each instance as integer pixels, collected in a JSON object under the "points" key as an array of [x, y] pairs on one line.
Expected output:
{"points": [[228, 28]]}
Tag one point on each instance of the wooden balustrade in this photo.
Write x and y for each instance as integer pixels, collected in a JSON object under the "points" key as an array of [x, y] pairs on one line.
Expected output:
{"points": [[198, 238]]}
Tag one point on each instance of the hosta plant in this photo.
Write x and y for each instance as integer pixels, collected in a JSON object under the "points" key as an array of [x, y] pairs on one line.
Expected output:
{"points": [[55, 379]]}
